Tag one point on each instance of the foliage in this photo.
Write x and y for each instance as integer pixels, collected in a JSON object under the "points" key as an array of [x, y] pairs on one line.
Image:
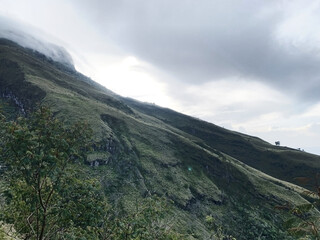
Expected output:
{"points": [[147, 222], [304, 223], [216, 230], [46, 195]]}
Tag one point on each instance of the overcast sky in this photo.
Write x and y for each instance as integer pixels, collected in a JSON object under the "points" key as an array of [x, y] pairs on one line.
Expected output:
{"points": [[250, 66]]}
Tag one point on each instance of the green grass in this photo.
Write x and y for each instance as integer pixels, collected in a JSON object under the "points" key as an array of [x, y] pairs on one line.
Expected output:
{"points": [[98, 156], [280, 162]]}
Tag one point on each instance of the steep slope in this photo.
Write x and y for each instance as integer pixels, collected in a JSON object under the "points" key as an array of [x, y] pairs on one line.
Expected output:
{"points": [[280, 162], [142, 149]]}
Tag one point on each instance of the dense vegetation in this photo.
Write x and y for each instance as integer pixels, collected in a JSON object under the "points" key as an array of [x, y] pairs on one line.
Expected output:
{"points": [[158, 171], [47, 194]]}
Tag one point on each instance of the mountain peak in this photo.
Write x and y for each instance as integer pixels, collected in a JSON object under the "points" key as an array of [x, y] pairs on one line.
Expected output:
{"points": [[13, 31]]}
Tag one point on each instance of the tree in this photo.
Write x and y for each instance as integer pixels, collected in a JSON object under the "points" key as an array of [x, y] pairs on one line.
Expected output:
{"points": [[304, 222], [47, 193]]}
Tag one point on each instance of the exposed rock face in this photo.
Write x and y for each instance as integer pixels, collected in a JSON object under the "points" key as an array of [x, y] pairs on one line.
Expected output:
{"points": [[16, 101], [105, 152], [109, 145]]}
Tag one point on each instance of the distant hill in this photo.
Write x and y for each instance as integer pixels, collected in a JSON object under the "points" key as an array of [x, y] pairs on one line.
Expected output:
{"points": [[143, 149]]}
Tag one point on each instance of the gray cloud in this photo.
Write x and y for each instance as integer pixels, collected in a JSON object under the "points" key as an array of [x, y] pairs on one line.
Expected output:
{"points": [[201, 41]]}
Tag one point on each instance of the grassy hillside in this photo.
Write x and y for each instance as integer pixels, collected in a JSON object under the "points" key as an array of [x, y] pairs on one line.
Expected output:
{"points": [[142, 149], [280, 162]]}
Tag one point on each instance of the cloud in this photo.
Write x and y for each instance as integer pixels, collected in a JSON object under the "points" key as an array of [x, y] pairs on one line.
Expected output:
{"points": [[232, 102], [249, 66], [203, 41], [30, 37]]}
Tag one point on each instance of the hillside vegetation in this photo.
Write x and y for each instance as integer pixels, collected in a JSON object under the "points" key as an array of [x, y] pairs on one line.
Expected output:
{"points": [[144, 150]]}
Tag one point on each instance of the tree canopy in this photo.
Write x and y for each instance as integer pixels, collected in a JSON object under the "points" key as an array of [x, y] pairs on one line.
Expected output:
{"points": [[46, 194]]}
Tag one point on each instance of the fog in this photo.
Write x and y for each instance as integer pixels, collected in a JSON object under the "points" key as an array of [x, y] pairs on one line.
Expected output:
{"points": [[33, 39]]}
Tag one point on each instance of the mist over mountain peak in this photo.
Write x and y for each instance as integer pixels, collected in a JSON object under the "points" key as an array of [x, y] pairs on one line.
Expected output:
{"points": [[34, 40]]}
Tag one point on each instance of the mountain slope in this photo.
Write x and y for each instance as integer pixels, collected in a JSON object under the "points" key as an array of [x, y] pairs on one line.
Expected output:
{"points": [[142, 149], [280, 162]]}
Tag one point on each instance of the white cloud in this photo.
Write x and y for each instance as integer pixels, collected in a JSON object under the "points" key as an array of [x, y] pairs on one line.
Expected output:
{"points": [[130, 77], [298, 26]]}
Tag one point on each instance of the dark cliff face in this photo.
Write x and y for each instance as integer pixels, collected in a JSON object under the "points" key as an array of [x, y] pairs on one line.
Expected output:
{"points": [[141, 149], [14, 87]]}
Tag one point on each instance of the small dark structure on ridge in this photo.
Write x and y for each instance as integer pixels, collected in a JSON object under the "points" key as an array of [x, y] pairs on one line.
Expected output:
{"points": [[277, 143]]}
